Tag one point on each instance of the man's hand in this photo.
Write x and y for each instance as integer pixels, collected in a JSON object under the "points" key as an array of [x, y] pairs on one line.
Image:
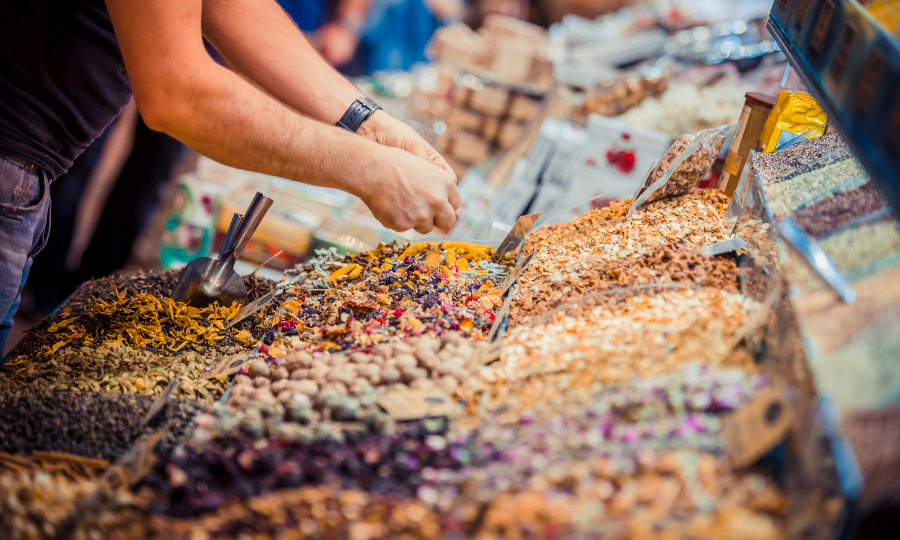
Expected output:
{"points": [[388, 131], [411, 193]]}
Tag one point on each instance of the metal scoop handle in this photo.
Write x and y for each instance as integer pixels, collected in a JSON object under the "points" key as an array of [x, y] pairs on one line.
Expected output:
{"points": [[229, 236], [216, 278]]}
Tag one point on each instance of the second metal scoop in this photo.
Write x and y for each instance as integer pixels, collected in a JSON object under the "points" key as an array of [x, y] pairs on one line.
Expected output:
{"points": [[205, 280]]}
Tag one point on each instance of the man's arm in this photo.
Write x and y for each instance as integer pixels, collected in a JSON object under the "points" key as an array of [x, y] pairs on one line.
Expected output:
{"points": [[259, 40], [179, 89]]}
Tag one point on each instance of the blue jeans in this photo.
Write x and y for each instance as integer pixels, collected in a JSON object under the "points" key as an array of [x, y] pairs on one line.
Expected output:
{"points": [[24, 227]]}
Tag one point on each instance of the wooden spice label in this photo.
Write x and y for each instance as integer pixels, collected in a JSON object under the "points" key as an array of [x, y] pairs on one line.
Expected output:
{"points": [[757, 427], [161, 400], [146, 457], [252, 308], [843, 53], [869, 79], [802, 10], [498, 317], [817, 41], [226, 365], [489, 352], [417, 404]]}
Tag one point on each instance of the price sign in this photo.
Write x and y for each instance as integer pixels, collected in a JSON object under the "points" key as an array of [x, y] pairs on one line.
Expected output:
{"points": [[893, 127], [161, 400], [757, 427], [843, 53], [489, 352], [416, 404], [226, 365], [146, 457], [517, 271], [869, 79], [802, 10], [820, 32], [252, 308]]}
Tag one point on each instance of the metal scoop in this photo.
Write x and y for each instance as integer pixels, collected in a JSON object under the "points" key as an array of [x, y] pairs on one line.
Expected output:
{"points": [[205, 280]]}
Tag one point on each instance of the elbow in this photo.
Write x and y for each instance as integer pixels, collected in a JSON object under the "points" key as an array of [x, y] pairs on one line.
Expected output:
{"points": [[165, 108]]}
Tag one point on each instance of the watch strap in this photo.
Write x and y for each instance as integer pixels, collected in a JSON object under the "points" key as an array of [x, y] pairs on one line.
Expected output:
{"points": [[361, 109]]}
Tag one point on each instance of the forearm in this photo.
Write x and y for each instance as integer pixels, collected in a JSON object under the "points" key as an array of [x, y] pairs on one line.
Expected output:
{"points": [[225, 118], [259, 40]]}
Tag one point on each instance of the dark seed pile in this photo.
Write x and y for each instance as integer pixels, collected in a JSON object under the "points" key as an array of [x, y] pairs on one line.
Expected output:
{"points": [[829, 214], [777, 166], [97, 425]]}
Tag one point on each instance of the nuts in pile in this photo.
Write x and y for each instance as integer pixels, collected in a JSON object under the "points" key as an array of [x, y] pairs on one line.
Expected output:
{"points": [[680, 262], [689, 172], [96, 425], [117, 369], [779, 165], [615, 456], [829, 214], [855, 249], [389, 294], [550, 233], [317, 512], [36, 506], [785, 197], [697, 217], [421, 363], [611, 336]]}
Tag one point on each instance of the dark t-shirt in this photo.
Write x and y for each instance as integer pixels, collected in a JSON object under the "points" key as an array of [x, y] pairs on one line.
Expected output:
{"points": [[62, 80]]}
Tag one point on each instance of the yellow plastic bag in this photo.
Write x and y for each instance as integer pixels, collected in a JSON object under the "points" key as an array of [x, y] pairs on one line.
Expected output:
{"points": [[796, 113]]}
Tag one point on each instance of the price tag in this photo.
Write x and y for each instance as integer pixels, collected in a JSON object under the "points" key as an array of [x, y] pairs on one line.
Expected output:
{"points": [[416, 404], [252, 308], [893, 127], [161, 400], [489, 352], [820, 32], [516, 272], [869, 80], [226, 365], [802, 10], [843, 53], [516, 235], [757, 427], [146, 457]]}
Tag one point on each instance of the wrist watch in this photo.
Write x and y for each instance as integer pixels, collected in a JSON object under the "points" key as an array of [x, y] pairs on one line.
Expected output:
{"points": [[361, 109]]}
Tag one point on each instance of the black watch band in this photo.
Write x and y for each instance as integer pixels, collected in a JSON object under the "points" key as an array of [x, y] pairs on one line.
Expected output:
{"points": [[361, 109]]}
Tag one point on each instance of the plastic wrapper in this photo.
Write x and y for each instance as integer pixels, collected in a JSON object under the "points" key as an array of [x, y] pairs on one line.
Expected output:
{"points": [[684, 164], [796, 114]]}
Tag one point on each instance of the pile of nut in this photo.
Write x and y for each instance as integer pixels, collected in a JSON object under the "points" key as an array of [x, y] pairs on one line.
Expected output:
{"points": [[696, 217], [420, 363], [680, 262]]}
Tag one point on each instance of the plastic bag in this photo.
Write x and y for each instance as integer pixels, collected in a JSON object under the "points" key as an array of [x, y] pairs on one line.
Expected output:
{"points": [[684, 164]]}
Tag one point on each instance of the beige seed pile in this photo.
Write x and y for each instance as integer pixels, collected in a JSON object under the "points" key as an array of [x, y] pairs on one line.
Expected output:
{"points": [[696, 217]]}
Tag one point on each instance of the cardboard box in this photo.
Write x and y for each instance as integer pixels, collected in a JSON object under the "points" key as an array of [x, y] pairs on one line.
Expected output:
{"points": [[523, 107], [469, 148], [509, 133], [490, 100]]}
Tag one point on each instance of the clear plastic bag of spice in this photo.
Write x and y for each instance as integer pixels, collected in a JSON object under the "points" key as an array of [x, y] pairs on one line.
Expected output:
{"points": [[684, 164]]}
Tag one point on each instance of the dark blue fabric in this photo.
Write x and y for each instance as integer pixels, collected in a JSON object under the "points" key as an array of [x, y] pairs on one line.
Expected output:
{"points": [[396, 34], [62, 80], [308, 14]]}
